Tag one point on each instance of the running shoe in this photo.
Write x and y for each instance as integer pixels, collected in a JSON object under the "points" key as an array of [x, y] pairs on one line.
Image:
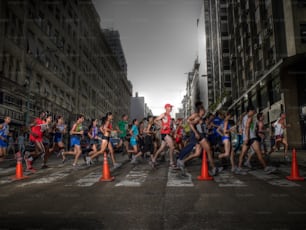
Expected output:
{"points": [[240, 171], [180, 164], [76, 166], [116, 165], [153, 164], [214, 171], [247, 164], [286, 158], [174, 166], [88, 161], [269, 169], [220, 169], [134, 160]]}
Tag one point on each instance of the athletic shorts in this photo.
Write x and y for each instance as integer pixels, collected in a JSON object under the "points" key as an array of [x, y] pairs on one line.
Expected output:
{"points": [[3, 144], [163, 136], [277, 137], [133, 141], [226, 138], [202, 137], [251, 141], [58, 138], [75, 140]]}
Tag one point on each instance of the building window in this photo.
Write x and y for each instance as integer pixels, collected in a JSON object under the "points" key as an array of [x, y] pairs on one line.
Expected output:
{"points": [[40, 19], [264, 97], [57, 13], [303, 32], [49, 29]]}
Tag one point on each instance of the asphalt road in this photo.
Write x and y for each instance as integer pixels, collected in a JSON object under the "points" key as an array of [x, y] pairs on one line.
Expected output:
{"points": [[141, 198]]}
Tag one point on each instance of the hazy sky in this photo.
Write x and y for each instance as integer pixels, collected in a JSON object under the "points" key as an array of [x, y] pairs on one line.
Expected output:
{"points": [[159, 39]]}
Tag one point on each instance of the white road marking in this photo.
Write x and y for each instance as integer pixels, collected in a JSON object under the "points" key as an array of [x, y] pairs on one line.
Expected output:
{"points": [[48, 178], [227, 179], [89, 180], [273, 179], [135, 178], [4, 171], [176, 179]]}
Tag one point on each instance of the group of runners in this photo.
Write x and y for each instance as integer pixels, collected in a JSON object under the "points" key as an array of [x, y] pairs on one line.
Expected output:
{"points": [[155, 138]]}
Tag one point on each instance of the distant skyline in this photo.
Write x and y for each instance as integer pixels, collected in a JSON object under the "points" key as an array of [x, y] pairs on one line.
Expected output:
{"points": [[159, 39]]}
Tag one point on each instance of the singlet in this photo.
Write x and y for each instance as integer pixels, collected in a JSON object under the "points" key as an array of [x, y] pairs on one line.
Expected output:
{"points": [[60, 128], [94, 131], [217, 121], [166, 124], [227, 128], [278, 129], [134, 131], [252, 128], [37, 129], [201, 127], [5, 130], [78, 128], [123, 126]]}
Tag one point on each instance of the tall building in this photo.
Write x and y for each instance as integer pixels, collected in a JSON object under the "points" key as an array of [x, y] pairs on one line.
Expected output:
{"points": [[113, 39], [139, 109], [267, 57], [213, 53], [54, 56]]}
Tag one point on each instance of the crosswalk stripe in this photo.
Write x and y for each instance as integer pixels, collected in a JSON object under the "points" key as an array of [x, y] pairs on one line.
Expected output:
{"points": [[273, 179], [87, 180], [135, 178], [176, 179], [4, 171], [226, 179], [48, 179]]}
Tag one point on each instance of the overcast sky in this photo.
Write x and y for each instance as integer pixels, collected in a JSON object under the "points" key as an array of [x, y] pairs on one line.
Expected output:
{"points": [[159, 39]]}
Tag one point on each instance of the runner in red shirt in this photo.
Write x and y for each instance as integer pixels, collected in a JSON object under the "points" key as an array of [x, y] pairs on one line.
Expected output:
{"points": [[166, 138], [37, 128]]}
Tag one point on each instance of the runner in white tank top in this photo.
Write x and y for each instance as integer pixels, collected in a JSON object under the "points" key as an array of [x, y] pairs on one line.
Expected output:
{"points": [[279, 138], [250, 140]]}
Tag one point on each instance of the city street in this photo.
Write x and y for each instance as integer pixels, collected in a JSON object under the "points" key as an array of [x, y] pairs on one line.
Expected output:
{"points": [[141, 198]]}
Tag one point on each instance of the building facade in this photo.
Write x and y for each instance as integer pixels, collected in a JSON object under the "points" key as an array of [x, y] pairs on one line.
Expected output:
{"points": [[267, 57], [139, 109], [213, 53], [113, 39], [54, 57]]}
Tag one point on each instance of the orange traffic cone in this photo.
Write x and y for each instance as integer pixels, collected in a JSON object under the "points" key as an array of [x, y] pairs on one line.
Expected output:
{"points": [[204, 171], [294, 169], [19, 171], [105, 171]]}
